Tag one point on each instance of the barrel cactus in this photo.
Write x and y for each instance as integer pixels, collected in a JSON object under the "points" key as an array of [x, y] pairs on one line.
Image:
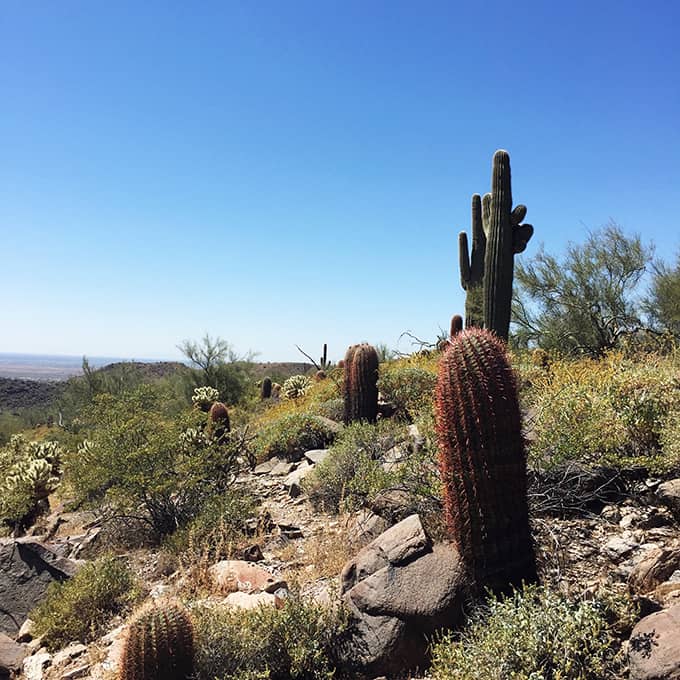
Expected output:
{"points": [[505, 236], [159, 645], [360, 389], [218, 421], [266, 389], [456, 325], [483, 461]]}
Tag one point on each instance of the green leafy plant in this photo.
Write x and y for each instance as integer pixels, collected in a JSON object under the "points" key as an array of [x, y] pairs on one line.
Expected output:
{"points": [[80, 608], [409, 387], [291, 435], [535, 634], [298, 641]]}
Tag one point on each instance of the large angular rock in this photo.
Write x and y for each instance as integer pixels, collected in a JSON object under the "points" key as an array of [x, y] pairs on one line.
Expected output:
{"points": [[230, 576], [27, 567], [657, 566], [669, 495], [12, 655], [654, 647], [400, 589]]}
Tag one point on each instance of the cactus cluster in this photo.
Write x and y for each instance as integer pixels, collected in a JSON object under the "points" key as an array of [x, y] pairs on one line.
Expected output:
{"points": [[159, 645], [483, 461], [204, 397], [497, 235], [360, 385], [296, 386]]}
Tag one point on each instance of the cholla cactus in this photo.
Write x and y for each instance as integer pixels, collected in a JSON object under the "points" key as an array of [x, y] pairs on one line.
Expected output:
{"points": [[204, 397], [193, 438], [296, 386], [29, 472]]}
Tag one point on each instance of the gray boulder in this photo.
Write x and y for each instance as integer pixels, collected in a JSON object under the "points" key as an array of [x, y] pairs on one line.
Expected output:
{"points": [[669, 494], [27, 567], [12, 655], [400, 589]]}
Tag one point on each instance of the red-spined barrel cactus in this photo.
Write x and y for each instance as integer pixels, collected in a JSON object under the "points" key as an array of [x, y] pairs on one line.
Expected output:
{"points": [[159, 645], [266, 391], [361, 383], [483, 461], [456, 325], [218, 420]]}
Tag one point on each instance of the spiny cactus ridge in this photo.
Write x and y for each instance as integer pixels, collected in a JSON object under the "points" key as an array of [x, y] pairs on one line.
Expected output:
{"points": [[360, 388], [266, 391], [483, 461], [505, 236], [159, 645], [472, 266]]}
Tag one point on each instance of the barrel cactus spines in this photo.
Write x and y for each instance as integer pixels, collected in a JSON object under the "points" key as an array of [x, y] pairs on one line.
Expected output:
{"points": [[482, 461], [472, 266], [505, 236], [266, 388], [456, 325], [361, 383], [159, 645], [218, 421]]}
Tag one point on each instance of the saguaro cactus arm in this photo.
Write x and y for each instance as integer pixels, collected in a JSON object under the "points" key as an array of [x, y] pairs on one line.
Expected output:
{"points": [[472, 264]]}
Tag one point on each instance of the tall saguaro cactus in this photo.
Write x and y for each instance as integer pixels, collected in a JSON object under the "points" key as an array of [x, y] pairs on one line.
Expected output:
{"points": [[483, 461], [505, 236], [472, 267]]}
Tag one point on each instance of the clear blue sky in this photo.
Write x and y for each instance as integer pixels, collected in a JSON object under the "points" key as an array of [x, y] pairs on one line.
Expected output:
{"points": [[297, 172]]}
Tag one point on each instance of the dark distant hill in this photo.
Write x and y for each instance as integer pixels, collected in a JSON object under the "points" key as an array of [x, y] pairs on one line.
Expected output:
{"points": [[16, 394], [146, 371]]}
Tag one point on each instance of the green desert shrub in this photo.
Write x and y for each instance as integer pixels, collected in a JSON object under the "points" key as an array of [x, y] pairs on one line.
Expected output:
{"points": [[603, 412], [353, 473], [334, 409], [291, 435], [408, 386], [298, 641], [537, 635], [217, 532], [80, 608], [140, 463]]}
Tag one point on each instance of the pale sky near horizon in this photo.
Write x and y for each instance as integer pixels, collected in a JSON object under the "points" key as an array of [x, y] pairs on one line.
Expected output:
{"points": [[297, 173]]}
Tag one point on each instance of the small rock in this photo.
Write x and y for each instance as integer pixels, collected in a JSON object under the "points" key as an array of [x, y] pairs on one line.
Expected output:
{"points": [[34, 666], [77, 672], [618, 548], [611, 513], [417, 438], [669, 494], [282, 469], [160, 590], [317, 456], [239, 575], [253, 553], [25, 633], [64, 656], [252, 600], [267, 466]]}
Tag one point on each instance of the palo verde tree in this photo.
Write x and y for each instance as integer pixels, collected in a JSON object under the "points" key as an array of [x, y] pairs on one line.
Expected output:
{"points": [[587, 301], [215, 363], [662, 303]]}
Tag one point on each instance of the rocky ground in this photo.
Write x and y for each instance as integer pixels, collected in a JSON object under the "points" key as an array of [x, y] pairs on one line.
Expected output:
{"points": [[632, 545]]}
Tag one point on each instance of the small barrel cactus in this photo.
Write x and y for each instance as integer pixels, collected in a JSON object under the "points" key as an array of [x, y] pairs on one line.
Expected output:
{"points": [[296, 386], [266, 389], [320, 375], [204, 397], [159, 645], [360, 388], [218, 421], [456, 325], [483, 461]]}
